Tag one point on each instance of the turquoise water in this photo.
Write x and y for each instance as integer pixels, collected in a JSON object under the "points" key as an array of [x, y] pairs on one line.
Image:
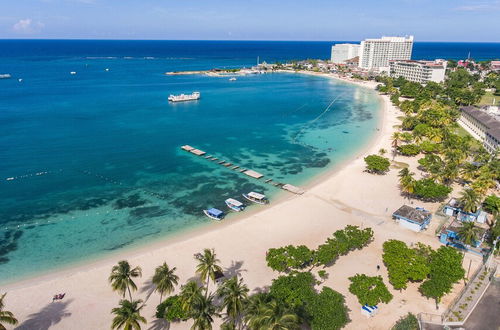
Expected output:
{"points": [[96, 156]]}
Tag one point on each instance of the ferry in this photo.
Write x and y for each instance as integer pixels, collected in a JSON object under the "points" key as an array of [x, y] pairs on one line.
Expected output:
{"points": [[256, 198], [214, 213], [185, 97], [5, 76], [235, 205]]}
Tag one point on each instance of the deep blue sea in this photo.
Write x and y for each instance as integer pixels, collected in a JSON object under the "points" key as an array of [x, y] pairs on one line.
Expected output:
{"points": [[91, 163]]}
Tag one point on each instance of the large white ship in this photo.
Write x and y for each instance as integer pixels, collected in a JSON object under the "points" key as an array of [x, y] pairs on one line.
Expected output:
{"points": [[184, 97]]}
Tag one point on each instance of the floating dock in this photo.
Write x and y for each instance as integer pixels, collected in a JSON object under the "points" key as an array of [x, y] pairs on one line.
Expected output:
{"points": [[251, 173]]}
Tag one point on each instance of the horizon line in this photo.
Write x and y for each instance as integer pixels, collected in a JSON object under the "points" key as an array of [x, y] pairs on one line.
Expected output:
{"points": [[226, 40]]}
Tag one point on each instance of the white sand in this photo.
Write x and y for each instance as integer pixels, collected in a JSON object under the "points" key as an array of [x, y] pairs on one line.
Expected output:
{"points": [[347, 196]]}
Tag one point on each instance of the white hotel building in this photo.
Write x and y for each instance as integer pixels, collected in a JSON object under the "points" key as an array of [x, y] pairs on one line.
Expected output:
{"points": [[481, 125], [344, 52], [418, 71], [375, 54]]}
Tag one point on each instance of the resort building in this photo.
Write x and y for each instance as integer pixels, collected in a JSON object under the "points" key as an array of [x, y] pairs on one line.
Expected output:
{"points": [[449, 236], [495, 66], [454, 209], [483, 126], [343, 52], [375, 54], [418, 71], [416, 219]]}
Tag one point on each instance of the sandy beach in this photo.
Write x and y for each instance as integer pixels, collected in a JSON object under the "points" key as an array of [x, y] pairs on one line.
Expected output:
{"points": [[347, 195]]}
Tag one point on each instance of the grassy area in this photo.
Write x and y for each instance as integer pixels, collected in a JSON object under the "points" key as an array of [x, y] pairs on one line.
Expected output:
{"points": [[462, 132], [487, 99]]}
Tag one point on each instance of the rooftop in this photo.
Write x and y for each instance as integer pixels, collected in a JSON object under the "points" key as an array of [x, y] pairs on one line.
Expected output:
{"points": [[412, 214], [491, 122]]}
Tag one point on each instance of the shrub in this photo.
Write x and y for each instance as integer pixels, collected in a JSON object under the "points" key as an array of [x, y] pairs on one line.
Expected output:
{"points": [[409, 149], [409, 322], [171, 310], [377, 164], [429, 190], [289, 257], [369, 290]]}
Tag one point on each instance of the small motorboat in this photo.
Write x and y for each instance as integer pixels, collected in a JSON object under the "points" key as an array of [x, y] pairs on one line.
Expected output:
{"points": [[235, 205], [232, 79], [20, 80], [72, 73], [256, 198], [214, 213], [107, 69]]}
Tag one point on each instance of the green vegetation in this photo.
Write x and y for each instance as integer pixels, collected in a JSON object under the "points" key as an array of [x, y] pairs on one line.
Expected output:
{"points": [[128, 315], [492, 204], [405, 264], [377, 164], [165, 280], [429, 126], [343, 241], [171, 310], [6, 317], [409, 149], [409, 322], [468, 233], [427, 189], [289, 257], [446, 269], [121, 278], [439, 269], [369, 290], [325, 310]]}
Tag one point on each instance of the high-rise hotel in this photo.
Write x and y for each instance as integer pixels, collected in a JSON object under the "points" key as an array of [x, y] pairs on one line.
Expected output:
{"points": [[376, 53]]}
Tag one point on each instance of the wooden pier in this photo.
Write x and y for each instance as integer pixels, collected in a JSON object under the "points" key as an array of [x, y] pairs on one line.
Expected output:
{"points": [[251, 173]]}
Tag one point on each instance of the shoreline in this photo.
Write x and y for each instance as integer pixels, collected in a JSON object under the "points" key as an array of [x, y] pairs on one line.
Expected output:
{"points": [[198, 229], [345, 195]]}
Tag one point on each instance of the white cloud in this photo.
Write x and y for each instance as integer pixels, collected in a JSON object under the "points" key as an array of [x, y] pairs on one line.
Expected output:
{"points": [[27, 26]]}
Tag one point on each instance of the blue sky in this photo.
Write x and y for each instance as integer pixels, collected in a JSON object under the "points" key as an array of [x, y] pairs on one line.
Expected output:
{"points": [[427, 20]]}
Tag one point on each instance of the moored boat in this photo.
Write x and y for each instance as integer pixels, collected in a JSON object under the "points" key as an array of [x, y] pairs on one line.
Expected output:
{"points": [[234, 205], [232, 79], [5, 76], [214, 213], [184, 97], [256, 198]]}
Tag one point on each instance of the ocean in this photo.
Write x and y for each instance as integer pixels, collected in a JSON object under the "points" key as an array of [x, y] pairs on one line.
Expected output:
{"points": [[91, 164]]}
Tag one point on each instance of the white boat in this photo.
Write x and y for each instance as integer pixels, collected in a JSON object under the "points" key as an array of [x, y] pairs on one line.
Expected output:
{"points": [[5, 76], [232, 79], [185, 97], [72, 73], [107, 69], [20, 80], [214, 213], [256, 198], [234, 205]]}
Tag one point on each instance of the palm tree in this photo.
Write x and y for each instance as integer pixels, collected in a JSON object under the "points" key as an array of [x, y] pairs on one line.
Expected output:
{"points": [[468, 233], [275, 316], [234, 294], [189, 292], [202, 311], [128, 315], [254, 308], [165, 279], [468, 171], [121, 277], [6, 317], [208, 266], [396, 139], [469, 200], [406, 181]]}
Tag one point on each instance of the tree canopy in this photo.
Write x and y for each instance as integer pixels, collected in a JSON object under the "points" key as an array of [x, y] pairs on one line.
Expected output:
{"points": [[377, 164], [369, 290]]}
